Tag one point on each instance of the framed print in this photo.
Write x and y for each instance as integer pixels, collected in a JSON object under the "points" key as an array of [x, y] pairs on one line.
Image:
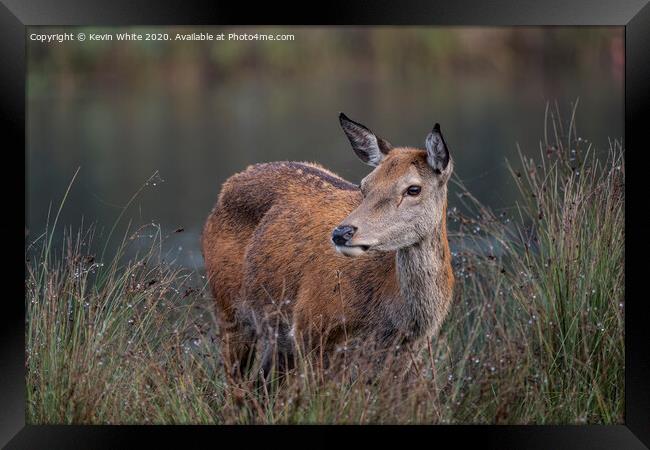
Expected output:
{"points": [[407, 219]]}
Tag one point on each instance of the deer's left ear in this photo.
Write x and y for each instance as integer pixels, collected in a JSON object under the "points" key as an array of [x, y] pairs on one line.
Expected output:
{"points": [[437, 152], [368, 147]]}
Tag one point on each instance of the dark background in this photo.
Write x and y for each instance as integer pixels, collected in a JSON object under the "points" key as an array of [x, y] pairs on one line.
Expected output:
{"points": [[198, 112]]}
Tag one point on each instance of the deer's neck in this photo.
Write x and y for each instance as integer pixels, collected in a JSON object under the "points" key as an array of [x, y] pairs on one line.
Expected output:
{"points": [[425, 281]]}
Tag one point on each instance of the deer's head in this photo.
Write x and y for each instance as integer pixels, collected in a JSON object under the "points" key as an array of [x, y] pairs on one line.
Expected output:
{"points": [[404, 197]]}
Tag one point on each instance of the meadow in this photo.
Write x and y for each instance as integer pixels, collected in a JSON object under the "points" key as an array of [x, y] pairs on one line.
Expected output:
{"points": [[535, 334]]}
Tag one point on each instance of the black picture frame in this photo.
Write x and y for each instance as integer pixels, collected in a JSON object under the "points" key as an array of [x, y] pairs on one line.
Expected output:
{"points": [[634, 15]]}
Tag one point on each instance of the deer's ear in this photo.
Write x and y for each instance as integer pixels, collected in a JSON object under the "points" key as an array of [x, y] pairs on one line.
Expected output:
{"points": [[368, 147], [437, 152]]}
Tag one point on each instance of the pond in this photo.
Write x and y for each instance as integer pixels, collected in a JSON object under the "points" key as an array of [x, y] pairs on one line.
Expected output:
{"points": [[195, 131]]}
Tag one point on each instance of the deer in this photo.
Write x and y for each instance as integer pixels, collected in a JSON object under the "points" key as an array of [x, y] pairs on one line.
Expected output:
{"points": [[296, 254]]}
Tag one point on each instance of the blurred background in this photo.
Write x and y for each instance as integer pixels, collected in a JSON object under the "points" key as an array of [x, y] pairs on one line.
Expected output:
{"points": [[197, 112]]}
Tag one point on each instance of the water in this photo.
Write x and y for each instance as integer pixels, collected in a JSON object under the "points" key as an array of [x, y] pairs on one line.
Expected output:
{"points": [[196, 134]]}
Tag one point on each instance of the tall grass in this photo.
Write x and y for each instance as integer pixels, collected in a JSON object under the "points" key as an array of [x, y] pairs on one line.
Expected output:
{"points": [[535, 334]]}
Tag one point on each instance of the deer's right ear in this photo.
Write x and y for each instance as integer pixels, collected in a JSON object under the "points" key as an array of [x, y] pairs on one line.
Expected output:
{"points": [[437, 151], [368, 147]]}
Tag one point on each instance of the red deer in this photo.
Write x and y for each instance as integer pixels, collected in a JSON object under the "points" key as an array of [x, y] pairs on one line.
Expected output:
{"points": [[293, 250]]}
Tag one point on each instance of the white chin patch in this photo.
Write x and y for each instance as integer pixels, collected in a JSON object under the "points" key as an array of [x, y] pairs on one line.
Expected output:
{"points": [[350, 251]]}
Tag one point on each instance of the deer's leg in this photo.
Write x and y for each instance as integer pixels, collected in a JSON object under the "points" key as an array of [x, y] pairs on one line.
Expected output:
{"points": [[239, 349], [394, 356], [278, 352]]}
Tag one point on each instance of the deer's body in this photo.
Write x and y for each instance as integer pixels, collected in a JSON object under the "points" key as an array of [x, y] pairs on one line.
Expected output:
{"points": [[275, 274]]}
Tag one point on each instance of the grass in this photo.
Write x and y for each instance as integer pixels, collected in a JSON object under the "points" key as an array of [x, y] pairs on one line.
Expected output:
{"points": [[535, 334]]}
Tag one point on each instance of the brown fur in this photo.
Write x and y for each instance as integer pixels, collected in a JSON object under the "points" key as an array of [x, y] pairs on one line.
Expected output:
{"points": [[274, 271]]}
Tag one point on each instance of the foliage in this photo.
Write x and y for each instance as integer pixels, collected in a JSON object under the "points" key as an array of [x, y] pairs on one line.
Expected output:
{"points": [[535, 335]]}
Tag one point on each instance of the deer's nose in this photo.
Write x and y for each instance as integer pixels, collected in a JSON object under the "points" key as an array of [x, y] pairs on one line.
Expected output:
{"points": [[341, 235]]}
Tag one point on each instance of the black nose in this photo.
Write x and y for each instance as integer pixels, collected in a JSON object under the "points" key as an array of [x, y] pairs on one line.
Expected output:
{"points": [[343, 234]]}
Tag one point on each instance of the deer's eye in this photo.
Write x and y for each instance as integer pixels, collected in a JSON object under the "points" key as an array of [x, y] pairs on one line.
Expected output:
{"points": [[413, 190]]}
